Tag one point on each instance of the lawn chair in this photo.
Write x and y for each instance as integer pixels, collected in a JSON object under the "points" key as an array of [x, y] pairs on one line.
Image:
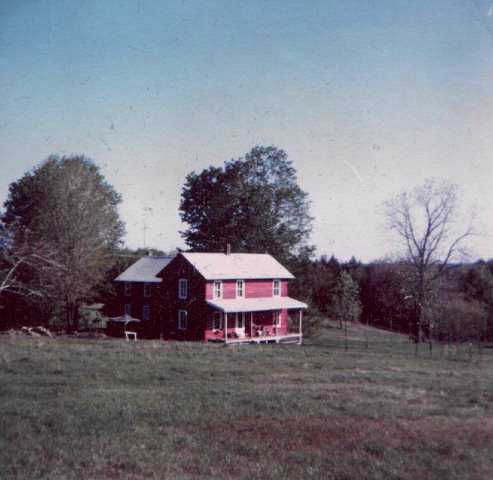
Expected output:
{"points": [[130, 335]]}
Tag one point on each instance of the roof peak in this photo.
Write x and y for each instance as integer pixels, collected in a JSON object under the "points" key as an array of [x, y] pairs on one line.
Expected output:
{"points": [[226, 254]]}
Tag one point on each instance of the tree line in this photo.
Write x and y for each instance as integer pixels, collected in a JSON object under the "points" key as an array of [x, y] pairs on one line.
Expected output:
{"points": [[61, 245], [458, 308]]}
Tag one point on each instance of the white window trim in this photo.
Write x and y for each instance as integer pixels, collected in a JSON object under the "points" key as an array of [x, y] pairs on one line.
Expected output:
{"points": [[242, 282], [127, 289], [220, 289], [182, 282], [274, 287], [181, 318], [145, 309], [277, 322], [147, 290], [219, 317], [128, 306]]}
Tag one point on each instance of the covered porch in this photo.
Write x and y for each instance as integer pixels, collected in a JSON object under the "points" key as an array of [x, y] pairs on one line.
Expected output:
{"points": [[256, 320]]}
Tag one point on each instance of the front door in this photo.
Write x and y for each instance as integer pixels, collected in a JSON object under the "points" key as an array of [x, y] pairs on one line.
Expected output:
{"points": [[240, 324]]}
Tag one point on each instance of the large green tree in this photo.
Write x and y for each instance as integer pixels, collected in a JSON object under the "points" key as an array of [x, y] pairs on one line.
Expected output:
{"points": [[66, 205], [254, 203]]}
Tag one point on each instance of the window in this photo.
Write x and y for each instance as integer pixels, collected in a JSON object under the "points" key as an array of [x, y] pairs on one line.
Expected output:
{"points": [[240, 320], [276, 318], [276, 288], [147, 290], [182, 319], [218, 289], [128, 289], [128, 310], [240, 288], [217, 323], [182, 288], [145, 313]]}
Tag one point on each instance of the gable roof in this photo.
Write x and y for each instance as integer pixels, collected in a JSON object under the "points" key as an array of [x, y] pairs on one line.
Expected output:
{"points": [[220, 266], [145, 269]]}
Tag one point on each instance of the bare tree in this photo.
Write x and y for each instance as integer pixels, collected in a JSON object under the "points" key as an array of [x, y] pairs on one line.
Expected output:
{"points": [[21, 262], [430, 229]]}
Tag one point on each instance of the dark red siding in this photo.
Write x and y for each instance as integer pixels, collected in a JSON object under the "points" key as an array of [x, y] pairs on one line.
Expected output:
{"points": [[137, 300], [195, 305]]}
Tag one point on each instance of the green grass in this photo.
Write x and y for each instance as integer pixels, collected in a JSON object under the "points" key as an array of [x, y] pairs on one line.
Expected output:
{"points": [[108, 409]]}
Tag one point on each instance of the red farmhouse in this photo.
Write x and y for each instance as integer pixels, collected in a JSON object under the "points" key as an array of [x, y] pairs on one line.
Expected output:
{"points": [[204, 295]]}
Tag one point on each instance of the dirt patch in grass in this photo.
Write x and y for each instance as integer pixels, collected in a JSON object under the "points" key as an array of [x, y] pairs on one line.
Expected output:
{"points": [[432, 448], [344, 433]]}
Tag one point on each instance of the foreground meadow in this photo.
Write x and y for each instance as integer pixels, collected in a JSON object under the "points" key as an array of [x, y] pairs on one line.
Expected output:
{"points": [[108, 409]]}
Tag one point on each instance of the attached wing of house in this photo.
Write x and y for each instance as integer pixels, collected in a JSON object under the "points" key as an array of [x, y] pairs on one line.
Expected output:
{"points": [[144, 270], [138, 293]]}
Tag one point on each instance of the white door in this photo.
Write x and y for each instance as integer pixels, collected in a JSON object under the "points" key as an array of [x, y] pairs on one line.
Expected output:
{"points": [[240, 324]]}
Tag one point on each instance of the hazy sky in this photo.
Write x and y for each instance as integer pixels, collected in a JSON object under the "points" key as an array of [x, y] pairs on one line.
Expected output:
{"points": [[367, 97]]}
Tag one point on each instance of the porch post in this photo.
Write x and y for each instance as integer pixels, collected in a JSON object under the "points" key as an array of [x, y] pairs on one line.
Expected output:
{"points": [[251, 324], [225, 328], [301, 326]]}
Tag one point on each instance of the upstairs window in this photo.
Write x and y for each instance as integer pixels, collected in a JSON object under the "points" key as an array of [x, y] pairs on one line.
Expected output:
{"points": [[147, 290], [276, 288], [240, 288], [182, 288], [127, 289], [218, 289], [128, 310], [182, 319], [145, 313]]}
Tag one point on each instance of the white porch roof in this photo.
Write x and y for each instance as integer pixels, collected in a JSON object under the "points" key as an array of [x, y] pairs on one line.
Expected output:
{"points": [[255, 304]]}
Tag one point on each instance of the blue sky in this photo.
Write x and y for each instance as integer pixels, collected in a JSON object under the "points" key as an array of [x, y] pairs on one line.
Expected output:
{"points": [[367, 97]]}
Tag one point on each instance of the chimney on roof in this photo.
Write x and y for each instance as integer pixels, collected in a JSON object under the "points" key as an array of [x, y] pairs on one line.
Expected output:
{"points": [[228, 249]]}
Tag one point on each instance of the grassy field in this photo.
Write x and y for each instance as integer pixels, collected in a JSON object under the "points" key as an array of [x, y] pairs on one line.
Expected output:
{"points": [[107, 409]]}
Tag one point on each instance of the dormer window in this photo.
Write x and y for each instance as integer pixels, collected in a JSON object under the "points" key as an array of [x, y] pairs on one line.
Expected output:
{"points": [[276, 288], [182, 288], [127, 289], [218, 289], [240, 288]]}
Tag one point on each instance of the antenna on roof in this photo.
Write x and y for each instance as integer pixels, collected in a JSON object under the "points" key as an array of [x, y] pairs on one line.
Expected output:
{"points": [[147, 210], [228, 249]]}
